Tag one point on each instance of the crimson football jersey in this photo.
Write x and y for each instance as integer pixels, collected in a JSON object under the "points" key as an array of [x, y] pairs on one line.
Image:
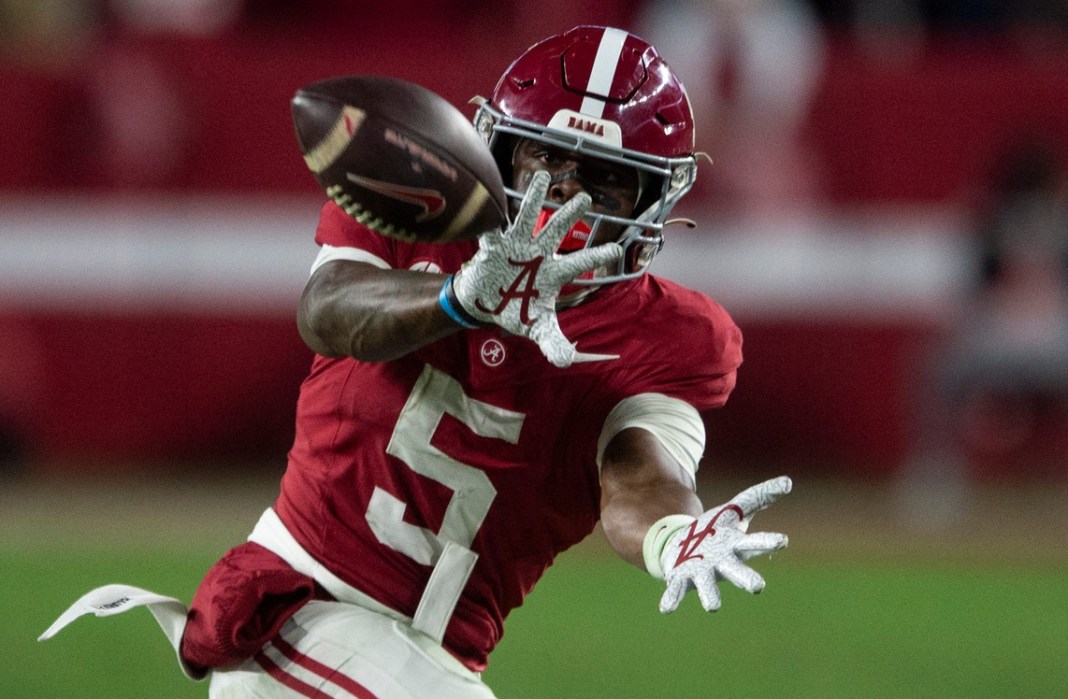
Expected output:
{"points": [[477, 440]]}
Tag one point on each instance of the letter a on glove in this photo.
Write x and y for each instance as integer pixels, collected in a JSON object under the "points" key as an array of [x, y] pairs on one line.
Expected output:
{"points": [[715, 545], [515, 277]]}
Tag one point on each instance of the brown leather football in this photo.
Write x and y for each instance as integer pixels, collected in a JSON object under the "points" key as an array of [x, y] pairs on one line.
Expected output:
{"points": [[399, 158]]}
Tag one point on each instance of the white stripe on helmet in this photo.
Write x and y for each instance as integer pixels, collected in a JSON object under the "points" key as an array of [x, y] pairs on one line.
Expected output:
{"points": [[603, 73]]}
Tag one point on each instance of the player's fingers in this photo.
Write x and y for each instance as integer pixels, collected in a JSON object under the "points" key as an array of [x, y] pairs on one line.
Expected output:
{"points": [[741, 575], [707, 591], [669, 601], [757, 497], [490, 238], [552, 342], [531, 204], [760, 543], [573, 264], [562, 220]]}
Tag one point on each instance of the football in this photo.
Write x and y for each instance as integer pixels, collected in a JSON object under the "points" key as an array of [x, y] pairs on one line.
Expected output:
{"points": [[399, 158]]}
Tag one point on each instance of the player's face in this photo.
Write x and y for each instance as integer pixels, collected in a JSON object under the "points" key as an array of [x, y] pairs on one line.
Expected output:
{"points": [[612, 187]]}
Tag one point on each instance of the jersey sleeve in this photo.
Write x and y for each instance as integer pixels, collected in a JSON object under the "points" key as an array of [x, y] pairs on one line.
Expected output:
{"points": [[342, 237], [339, 230], [713, 342], [678, 354], [689, 349]]}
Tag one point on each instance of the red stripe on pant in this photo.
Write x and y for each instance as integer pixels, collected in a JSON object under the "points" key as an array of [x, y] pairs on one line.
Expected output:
{"points": [[283, 677], [311, 665]]}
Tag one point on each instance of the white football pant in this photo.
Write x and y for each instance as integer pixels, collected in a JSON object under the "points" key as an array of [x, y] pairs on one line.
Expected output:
{"points": [[333, 649]]}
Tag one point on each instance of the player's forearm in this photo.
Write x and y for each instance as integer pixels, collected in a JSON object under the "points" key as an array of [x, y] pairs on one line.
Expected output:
{"points": [[640, 484], [358, 310], [627, 517]]}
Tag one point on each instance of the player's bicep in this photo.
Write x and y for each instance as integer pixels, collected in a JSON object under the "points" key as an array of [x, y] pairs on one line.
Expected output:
{"points": [[675, 425], [325, 311], [359, 306], [635, 461]]}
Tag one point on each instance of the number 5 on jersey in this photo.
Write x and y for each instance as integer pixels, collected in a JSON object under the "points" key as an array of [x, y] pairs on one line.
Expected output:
{"points": [[448, 549]]}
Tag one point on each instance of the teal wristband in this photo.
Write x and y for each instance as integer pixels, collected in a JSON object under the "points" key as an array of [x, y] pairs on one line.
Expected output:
{"points": [[445, 300]]}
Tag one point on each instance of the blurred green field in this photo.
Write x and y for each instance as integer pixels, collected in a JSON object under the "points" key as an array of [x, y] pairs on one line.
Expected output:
{"points": [[859, 605]]}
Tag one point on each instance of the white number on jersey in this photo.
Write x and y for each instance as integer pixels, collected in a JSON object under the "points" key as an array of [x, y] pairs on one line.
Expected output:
{"points": [[448, 549]]}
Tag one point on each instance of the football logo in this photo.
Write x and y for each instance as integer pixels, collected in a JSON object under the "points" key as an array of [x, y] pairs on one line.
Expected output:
{"points": [[430, 200]]}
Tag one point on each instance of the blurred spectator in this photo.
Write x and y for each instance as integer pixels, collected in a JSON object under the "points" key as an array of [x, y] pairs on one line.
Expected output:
{"points": [[751, 68], [11, 448], [1013, 353], [1005, 361], [112, 111], [950, 16], [188, 17], [21, 385], [142, 123], [58, 32], [49, 34]]}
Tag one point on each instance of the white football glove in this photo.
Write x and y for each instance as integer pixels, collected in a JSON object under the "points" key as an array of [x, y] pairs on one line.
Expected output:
{"points": [[515, 277], [699, 552]]}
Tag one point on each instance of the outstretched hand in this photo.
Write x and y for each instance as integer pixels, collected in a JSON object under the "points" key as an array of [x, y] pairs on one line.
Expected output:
{"points": [[515, 277], [714, 546]]}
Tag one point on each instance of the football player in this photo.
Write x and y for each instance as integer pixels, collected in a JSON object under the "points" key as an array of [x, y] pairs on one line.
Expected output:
{"points": [[476, 407]]}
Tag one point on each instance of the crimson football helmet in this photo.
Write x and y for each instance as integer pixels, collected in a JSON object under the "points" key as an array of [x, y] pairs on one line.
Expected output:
{"points": [[606, 93]]}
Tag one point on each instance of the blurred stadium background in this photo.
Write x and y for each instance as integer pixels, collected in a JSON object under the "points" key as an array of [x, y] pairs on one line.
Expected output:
{"points": [[156, 228]]}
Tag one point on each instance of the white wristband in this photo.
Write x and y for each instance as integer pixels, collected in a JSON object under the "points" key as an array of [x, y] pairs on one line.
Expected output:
{"points": [[656, 539]]}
